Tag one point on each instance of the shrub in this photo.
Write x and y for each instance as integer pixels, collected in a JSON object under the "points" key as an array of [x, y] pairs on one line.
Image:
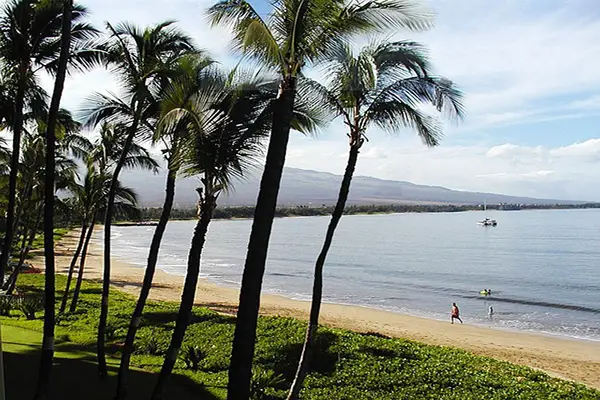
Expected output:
{"points": [[263, 381], [192, 356], [152, 341], [6, 305], [30, 304]]}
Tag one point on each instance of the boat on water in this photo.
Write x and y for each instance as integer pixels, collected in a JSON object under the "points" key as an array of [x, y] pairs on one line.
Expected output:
{"points": [[487, 221]]}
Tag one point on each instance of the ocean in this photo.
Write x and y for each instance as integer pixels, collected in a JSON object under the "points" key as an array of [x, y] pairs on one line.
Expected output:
{"points": [[543, 267]]}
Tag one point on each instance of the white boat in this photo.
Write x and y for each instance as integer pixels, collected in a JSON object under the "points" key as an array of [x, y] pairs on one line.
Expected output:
{"points": [[487, 221]]}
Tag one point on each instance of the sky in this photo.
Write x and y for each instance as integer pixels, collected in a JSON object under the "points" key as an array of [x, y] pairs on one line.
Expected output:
{"points": [[529, 69]]}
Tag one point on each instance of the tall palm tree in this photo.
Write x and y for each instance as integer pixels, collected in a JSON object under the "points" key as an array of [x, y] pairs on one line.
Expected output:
{"points": [[31, 173], [41, 391], [69, 143], [141, 60], [177, 94], [296, 33], [227, 123], [97, 187], [385, 85], [89, 195], [31, 192], [30, 41]]}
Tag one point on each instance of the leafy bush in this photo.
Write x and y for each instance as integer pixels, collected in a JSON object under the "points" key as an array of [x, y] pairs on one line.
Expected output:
{"points": [[6, 305], [262, 384], [192, 356], [151, 342], [30, 304]]}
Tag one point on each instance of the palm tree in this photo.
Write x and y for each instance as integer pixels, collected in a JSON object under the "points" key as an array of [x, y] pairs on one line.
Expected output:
{"points": [[31, 191], [177, 94], [384, 85], [41, 391], [90, 196], [31, 174], [227, 122], [142, 60], [30, 41], [296, 33], [125, 205]]}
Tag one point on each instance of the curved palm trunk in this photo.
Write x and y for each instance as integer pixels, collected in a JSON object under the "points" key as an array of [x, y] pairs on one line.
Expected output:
{"points": [[317, 294], [12, 181], [146, 286], [101, 351], [41, 391], [19, 207], [63, 304], [84, 252], [12, 282], [187, 298], [240, 369]]}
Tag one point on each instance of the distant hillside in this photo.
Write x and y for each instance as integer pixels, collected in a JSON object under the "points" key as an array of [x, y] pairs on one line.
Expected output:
{"points": [[304, 186]]}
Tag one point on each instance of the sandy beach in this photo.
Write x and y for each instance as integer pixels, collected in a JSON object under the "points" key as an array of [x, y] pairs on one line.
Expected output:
{"points": [[577, 360]]}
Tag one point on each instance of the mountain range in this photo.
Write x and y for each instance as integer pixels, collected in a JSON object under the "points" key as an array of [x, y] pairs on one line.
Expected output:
{"points": [[305, 187]]}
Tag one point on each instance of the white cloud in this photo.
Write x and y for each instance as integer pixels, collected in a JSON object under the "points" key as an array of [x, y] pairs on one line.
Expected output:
{"points": [[588, 150], [566, 172], [512, 56]]}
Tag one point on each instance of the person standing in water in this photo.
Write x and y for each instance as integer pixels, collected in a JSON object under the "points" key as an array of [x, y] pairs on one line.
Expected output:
{"points": [[455, 313], [491, 311]]}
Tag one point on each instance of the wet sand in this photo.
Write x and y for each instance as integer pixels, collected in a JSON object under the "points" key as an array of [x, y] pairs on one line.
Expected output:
{"points": [[577, 360]]}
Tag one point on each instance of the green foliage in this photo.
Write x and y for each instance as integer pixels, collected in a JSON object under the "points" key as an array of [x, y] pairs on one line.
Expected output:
{"points": [[151, 342], [38, 242], [6, 305], [306, 211], [346, 365], [263, 384], [192, 356], [30, 304]]}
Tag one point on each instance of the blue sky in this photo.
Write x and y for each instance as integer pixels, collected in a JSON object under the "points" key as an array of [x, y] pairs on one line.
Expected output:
{"points": [[530, 70]]}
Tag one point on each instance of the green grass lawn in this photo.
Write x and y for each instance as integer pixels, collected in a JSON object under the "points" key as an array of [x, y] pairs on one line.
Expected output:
{"points": [[347, 365]]}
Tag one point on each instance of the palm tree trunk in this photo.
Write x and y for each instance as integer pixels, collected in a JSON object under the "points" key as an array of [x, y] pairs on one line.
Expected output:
{"points": [[148, 277], [12, 282], [19, 207], [15, 272], [84, 252], [240, 369], [100, 350], [12, 181], [317, 294], [41, 391], [63, 304], [187, 297]]}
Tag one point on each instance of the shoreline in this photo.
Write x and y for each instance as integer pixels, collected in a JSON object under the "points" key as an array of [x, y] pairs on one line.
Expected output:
{"points": [[569, 358], [191, 218]]}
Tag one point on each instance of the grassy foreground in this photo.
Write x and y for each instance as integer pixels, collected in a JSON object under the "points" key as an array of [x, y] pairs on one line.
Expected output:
{"points": [[348, 365]]}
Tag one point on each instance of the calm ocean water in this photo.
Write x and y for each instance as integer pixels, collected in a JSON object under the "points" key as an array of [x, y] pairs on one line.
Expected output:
{"points": [[543, 266]]}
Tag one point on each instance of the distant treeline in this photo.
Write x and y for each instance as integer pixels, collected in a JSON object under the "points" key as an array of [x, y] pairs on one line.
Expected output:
{"points": [[148, 214]]}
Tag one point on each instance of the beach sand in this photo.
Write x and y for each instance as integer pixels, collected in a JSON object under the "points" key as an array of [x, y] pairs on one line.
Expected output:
{"points": [[578, 360]]}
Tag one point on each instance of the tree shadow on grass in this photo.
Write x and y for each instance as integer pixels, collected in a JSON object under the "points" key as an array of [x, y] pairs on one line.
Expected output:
{"points": [[324, 359], [75, 379]]}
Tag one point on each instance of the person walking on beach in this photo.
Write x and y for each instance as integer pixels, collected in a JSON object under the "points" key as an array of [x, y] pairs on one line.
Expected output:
{"points": [[455, 313]]}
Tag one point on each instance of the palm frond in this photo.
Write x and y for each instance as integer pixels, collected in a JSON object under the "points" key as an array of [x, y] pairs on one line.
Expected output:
{"points": [[99, 108], [383, 15], [141, 162], [393, 115], [251, 33]]}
